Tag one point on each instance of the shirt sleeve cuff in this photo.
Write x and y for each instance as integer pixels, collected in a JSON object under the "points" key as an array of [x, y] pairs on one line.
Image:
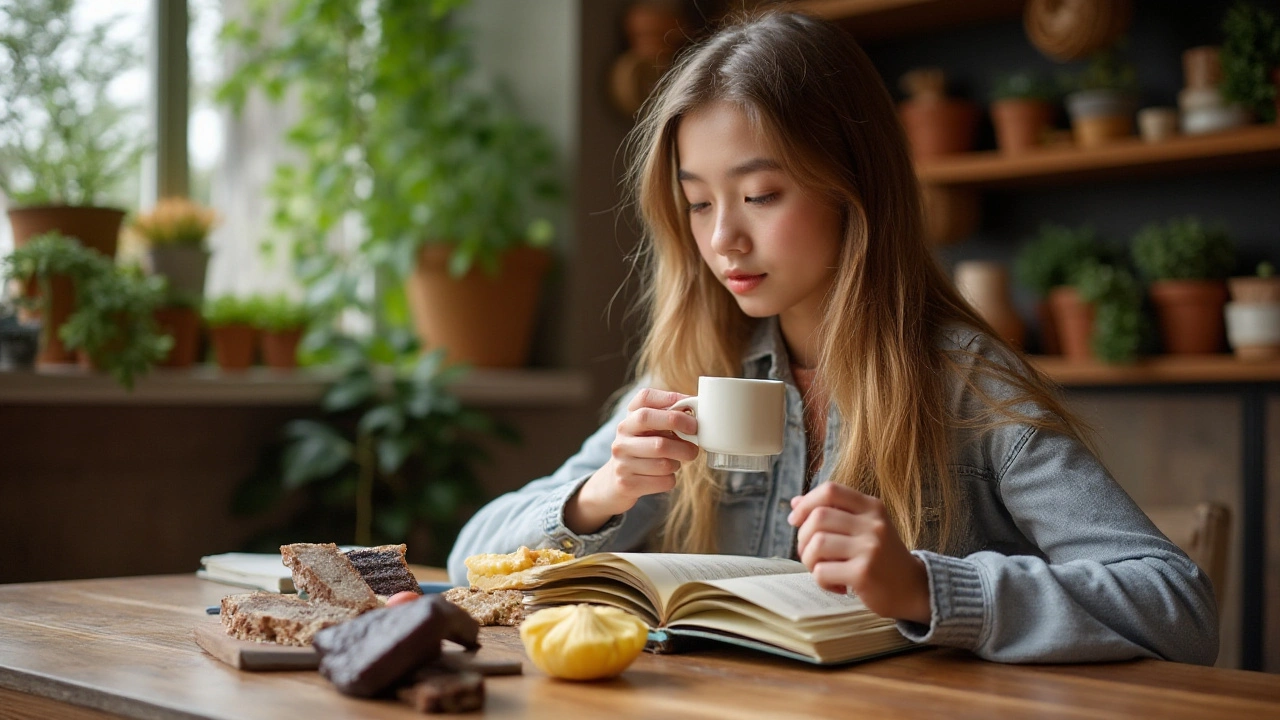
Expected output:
{"points": [[559, 536], [957, 600]]}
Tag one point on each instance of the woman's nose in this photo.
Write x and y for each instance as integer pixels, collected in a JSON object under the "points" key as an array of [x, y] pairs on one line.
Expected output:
{"points": [[729, 235]]}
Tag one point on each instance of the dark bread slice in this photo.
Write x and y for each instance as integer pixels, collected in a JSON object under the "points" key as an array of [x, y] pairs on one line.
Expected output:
{"points": [[370, 654], [283, 619], [384, 569], [327, 576]]}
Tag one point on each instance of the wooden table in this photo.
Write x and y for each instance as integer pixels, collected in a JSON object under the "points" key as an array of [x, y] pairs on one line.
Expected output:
{"points": [[98, 648]]}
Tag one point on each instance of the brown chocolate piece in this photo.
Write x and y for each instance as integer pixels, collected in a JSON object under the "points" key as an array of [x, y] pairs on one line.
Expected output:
{"points": [[445, 692], [368, 655], [384, 569]]}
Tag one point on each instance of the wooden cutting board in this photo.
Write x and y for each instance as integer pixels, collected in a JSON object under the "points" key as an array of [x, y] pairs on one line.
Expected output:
{"points": [[254, 656]]}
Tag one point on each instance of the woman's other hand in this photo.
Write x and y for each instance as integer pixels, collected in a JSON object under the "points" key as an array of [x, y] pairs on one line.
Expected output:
{"points": [[848, 543], [646, 454]]}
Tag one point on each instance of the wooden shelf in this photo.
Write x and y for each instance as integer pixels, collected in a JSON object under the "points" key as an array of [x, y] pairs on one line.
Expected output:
{"points": [[262, 386], [1255, 145], [873, 20], [1160, 370]]}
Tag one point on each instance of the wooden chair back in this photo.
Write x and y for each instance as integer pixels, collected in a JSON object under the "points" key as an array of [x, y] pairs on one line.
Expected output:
{"points": [[1203, 531]]}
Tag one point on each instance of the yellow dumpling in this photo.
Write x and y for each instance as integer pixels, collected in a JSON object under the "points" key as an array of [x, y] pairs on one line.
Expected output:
{"points": [[583, 642]]}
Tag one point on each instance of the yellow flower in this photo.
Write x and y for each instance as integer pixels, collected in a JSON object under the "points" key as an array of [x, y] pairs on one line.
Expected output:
{"points": [[176, 221]]}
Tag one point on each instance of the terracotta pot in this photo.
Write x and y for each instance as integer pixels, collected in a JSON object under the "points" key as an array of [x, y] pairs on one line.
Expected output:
{"points": [[183, 325], [939, 126], [1253, 289], [95, 227], [985, 285], [1020, 124], [1049, 344], [483, 320], [1202, 66], [1099, 116], [1074, 320], [280, 348], [233, 345], [1189, 313]]}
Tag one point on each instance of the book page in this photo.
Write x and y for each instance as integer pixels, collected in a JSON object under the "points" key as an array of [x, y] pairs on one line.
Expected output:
{"points": [[795, 597], [667, 571]]}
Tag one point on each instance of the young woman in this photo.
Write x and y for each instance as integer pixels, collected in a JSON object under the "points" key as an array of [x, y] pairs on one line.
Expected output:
{"points": [[926, 467]]}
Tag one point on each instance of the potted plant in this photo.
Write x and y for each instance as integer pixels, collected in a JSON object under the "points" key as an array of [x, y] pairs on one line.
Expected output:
{"points": [[114, 323], [1253, 315], [67, 146], [1022, 110], [50, 267], [1186, 263], [386, 463], [231, 322], [935, 124], [280, 322], [1047, 265], [1251, 59], [175, 231], [1115, 297], [461, 218], [1102, 104]]}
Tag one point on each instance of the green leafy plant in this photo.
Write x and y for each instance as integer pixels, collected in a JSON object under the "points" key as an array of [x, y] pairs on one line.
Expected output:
{"points": [[1120, 327], [1183, 249], [114, 323], [113, 320], [1053, 256], [1025, 85], [396, 131], [1106, 70], [1265, 269], [278, 313], [232, 310], [63, 139], [1250, 53], [392, 459]]}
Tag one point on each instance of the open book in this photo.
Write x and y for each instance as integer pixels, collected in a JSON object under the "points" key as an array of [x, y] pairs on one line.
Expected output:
{"points": [[768, 604]]}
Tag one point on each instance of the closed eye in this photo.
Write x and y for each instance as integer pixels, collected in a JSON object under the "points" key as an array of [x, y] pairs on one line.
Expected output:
{"points": [[761, 199], [696, 207]]}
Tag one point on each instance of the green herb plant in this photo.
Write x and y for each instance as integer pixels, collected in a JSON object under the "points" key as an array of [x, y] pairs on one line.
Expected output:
{"points": [[232, 310], [1025, 85], [398, 133], [1120, 327], [1051, 258], [391, 460], [114, 317], [279, 314], [1183, 249], [1105, 70], [1250, 53], [63, 139]]}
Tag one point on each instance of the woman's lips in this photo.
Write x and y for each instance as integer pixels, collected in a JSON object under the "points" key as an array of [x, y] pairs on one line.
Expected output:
{"points": [[740, 283]]}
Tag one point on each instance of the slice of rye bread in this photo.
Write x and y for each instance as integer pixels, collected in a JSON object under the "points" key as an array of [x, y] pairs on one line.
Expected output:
{"points": [[384, 569], [283, 619], [327, 576], [497, 607]]}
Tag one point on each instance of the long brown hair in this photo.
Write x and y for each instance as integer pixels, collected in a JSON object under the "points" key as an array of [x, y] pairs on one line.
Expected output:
{"points": [[828, 116]]}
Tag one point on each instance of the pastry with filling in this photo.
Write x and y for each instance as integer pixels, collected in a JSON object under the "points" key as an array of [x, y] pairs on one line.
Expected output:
{"points": [[283, 619], [510, 571], [328, 576]]}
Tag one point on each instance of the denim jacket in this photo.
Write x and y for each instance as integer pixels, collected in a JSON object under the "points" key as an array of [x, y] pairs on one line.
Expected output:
{"points": [[1056, 562]]}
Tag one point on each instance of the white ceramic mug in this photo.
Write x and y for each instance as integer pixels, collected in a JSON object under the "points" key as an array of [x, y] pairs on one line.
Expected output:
{"points": [[741, 422]]}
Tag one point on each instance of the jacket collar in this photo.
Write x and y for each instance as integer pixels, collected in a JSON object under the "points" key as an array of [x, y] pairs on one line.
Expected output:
{"points": [[766, 354]]}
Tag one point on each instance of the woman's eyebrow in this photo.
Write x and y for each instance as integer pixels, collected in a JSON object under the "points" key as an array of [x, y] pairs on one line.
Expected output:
{"points": [[746, 168]]}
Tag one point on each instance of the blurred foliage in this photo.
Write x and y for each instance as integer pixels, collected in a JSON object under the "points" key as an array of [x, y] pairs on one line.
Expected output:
{"points": [[1250, 53], [1183, 249]]}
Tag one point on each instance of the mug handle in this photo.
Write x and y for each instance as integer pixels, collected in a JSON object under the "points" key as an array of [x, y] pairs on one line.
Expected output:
{"points": [[691, 404]]}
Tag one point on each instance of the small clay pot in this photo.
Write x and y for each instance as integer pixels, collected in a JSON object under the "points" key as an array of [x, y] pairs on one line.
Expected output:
{"points": [[1189, 314], [939, 126], [1020, 124]]}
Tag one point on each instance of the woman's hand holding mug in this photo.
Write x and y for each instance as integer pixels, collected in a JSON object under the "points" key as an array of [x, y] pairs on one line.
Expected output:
{"points": [[644, 458]]}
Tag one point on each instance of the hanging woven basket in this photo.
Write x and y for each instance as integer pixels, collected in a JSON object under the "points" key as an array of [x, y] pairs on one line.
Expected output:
{"points": [[1073, 29]]}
